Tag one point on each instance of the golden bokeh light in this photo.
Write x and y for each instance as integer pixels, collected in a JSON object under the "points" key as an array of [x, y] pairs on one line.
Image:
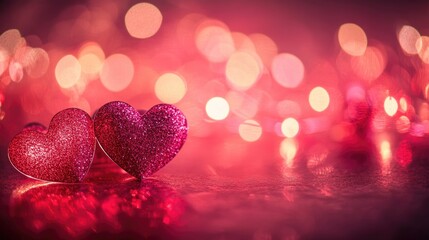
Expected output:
{"points": [[4, 61], [217, 108], [90, 63], [423, 46], [408, 37], [117, 72], [35, 62], [215, 43], [91, 57], [385, 151], [319, 99], [11, 41], [403, 105], [170, 88], [92, 48], [16, 71], [403, 124], [242, 70], [143, 20], [68, 71], [250, 130], [352, 39], [287, 70], [290, 127], [370, 65], [390, 106], [288, 150]]}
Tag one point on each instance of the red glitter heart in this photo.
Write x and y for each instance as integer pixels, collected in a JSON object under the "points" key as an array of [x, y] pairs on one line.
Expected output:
{"points": [[63, 154], [141, 144]]}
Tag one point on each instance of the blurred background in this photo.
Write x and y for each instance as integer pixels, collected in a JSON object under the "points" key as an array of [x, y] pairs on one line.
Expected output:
{"points": [[307, 119], [266, 86]]}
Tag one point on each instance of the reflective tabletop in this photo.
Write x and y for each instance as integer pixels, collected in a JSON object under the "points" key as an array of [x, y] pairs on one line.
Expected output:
{"points": [[365, 204]]}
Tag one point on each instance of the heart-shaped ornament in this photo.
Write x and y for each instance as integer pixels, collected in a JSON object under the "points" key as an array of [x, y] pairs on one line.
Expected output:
{"points": [[63, 153], [140, 143]]}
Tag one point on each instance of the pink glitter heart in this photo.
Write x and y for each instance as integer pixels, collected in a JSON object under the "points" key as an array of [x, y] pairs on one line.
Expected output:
{"points": [[63, 154], [141, 144]]}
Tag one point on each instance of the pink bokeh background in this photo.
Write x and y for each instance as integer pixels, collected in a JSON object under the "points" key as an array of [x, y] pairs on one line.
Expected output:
{"points": [[265, 86]]}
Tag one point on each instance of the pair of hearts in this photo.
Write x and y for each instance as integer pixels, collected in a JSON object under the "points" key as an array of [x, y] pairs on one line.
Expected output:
{"points": [[140, 143]]}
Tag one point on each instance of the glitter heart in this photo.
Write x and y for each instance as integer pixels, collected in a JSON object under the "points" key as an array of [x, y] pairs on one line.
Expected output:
{"points": [[141, 144], [63, 153]]}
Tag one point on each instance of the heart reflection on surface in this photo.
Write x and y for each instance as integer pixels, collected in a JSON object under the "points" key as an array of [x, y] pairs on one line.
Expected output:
{"points": [[148, 209]]}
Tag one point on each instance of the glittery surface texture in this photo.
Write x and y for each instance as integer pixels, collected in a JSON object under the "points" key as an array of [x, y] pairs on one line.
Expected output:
{"points": [[141, 144], [63, 153]]}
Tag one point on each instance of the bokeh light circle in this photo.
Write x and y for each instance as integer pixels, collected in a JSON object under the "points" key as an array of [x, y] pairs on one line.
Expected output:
{"points": [[143, 20], [408, 37], [352, 39], [390, 106], [36, 62], [370, 65], [319, 99], [11, 41], [4, 60], [290, 127], [16, 71], [242, 70], [217, 108], [215, 43], [287, 70], [90, 63], [68, 71], [250, 130], [403, 124], [91, 57], [422, 45], [170, 88], [117, 72], [403, 105], [288, 150]]}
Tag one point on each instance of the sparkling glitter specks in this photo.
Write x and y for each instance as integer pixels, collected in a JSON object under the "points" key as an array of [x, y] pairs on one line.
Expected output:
{"points": [[63, 154], [140, 143]]}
